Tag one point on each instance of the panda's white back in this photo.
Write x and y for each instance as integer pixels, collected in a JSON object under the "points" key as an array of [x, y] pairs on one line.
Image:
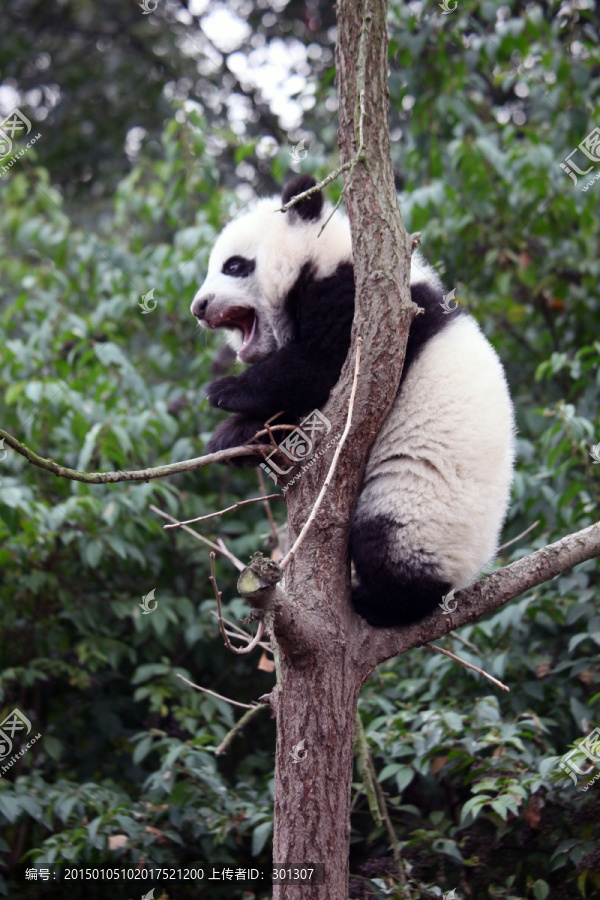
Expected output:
{"points": [[441, 466]]}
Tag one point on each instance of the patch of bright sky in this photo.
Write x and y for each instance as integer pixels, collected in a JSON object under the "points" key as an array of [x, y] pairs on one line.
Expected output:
{"points": [[9, 98], [279, 69]]}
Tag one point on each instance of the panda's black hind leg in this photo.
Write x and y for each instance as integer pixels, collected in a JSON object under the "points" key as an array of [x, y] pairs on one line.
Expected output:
{"points": [[390, 594], [235, 432]]}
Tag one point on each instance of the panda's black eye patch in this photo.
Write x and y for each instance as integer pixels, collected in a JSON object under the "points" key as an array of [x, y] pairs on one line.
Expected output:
{"points": [[238, 267]]}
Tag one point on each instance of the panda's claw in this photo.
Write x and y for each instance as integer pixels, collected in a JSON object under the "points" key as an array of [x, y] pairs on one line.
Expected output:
{"points": [[226, 393]]}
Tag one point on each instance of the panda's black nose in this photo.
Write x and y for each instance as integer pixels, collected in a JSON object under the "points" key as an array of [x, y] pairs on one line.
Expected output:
{"points": [[199, 306]]}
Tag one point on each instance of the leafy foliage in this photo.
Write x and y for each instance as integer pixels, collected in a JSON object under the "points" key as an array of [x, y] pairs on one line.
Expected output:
{"points": [[485, 104]]}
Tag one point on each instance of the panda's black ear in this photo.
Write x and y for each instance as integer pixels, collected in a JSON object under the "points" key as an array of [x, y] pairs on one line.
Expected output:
{"points": [[309, 209]]}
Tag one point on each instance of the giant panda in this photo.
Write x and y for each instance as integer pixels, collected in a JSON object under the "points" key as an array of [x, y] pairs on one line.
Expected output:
{"points": [[437, 481]]}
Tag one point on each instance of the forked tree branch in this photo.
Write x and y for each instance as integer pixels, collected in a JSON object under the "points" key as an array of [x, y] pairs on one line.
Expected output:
{"points": [[484, 596]]}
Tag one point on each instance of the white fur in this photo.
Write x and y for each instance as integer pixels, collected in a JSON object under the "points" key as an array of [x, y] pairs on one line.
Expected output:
{"points": [[281, 243], [449, 434]]}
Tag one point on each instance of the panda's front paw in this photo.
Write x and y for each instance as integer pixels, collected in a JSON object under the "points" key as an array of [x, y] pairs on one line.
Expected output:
{"points": [[227, 393], [235, 432]]}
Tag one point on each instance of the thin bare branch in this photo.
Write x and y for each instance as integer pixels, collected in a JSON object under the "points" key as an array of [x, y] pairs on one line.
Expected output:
{"points": [[240, 633], [269, 429], [519, 536], [290, 554], [204, 690], [239, 726], [463, 662], [359, 156], [240, 651], [318, 187], [222, 512], [218, 549], [266, 497], [463, 640], [246, 637], [135, 475]]}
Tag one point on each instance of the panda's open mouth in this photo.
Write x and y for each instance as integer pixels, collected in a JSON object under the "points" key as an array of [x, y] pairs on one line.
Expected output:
{"points": [[238, 317]]}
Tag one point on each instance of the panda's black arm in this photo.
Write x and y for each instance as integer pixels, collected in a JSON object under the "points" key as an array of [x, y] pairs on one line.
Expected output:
{"points": [[294, 379], [298, 377]]}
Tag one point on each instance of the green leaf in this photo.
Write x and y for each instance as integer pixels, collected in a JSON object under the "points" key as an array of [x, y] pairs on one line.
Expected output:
{"points": [[473, 806], [540, 889], [9, 807], [260, 836]]}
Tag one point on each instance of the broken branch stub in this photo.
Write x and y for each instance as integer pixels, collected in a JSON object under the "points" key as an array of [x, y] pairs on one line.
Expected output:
{"points": [[258, 579]]}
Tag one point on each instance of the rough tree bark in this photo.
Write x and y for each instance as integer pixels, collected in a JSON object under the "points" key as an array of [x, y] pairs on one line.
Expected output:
{"points": [[325, 651], [319, 637]]}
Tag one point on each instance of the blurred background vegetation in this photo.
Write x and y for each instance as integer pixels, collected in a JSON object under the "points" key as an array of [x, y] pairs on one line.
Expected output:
{"points": [[156, 127]]}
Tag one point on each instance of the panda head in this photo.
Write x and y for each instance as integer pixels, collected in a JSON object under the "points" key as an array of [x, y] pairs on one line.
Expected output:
{"points": [[256, 262]]}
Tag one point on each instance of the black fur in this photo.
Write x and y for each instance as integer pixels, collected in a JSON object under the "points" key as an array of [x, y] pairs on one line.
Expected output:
{"points": [[309, 209], [235, 432], [390, 594], [238, 267], [300, 376], [432, 320]]}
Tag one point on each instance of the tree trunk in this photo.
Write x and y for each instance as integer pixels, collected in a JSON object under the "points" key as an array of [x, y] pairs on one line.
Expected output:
{"points": [[312, 797], [320, 640]]}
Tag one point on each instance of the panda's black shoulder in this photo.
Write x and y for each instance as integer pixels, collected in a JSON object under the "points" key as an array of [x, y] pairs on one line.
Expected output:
{"points": [[321, 309], [433, 319]]}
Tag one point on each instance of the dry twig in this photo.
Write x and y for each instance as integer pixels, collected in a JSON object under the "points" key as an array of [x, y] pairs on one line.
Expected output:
{"points": [[518, 537], [238, 727], [290, 554], [221, 512], [261, 625], [463, 662], [219, 549], [204, 690], [240, 633]]}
